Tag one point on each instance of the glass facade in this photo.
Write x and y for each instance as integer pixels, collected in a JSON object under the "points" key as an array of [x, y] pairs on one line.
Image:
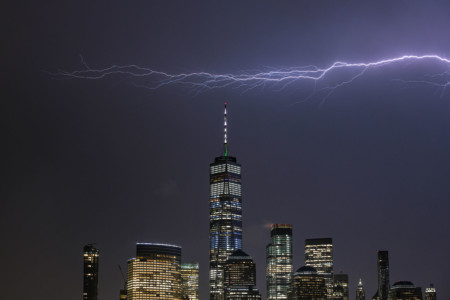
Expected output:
{"points": [[383, 275], [319, 255], [279, 261], [307, 284], [360, 293], [155, 273], [90, 272], [240, 277], [225, 216], [189, 281], [405, 290]]}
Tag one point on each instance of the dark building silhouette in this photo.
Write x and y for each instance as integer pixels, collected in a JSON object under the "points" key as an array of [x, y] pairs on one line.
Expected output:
{"points": [[360, 293], [319, 255], [279, 261], [225, 215], [240, 277], [307, 284], [340, 291], [155, 273], [430, 293], [405, 290], [90, 272], [123, 294], [383, 275]]}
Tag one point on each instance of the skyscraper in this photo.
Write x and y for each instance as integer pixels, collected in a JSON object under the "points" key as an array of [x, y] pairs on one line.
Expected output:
{"points": [[430, 293], [319, 254], [405, 290], [155, 273], [383, 275], [279, 261], [307, 284], [225, 215], [240, 277], [90, 272], [360, 293], [341, 286], [189, 281]]}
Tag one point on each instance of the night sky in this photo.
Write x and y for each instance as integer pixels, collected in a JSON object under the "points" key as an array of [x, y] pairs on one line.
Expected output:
{"points": [[106, 162]]}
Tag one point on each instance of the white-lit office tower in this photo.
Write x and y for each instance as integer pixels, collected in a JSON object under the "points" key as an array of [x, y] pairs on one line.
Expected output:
{"points": [[319, 254], [189, 281], [155, 273], [430, 293], [279, 261], [225, 215]]}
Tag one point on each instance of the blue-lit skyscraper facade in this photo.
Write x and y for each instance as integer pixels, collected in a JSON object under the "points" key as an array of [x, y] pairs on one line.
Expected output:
{"points": [[225, 217], [279, 261]]}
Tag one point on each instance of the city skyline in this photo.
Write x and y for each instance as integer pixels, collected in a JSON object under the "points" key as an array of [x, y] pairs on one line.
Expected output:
{"points": [[111, 163], [157, 268]]}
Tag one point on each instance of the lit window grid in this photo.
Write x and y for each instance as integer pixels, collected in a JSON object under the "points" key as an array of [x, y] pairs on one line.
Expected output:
{"points": [[151, 278], [225, 219], [321, 258], [309, 287], [190, 280], [220, 168], [279, 266]]}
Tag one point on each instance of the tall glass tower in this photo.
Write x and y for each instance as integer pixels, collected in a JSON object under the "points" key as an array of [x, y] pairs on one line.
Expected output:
{"points": [[225, 215], [279, 261], [90, 272], [383, 275]]}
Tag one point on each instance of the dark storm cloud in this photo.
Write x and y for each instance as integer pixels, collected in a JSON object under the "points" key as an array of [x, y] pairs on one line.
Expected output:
{"points": [[105, 162]]}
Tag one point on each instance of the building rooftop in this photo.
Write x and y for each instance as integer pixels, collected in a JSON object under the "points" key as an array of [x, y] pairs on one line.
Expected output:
{"points": [[403, 284], [306, 270]]}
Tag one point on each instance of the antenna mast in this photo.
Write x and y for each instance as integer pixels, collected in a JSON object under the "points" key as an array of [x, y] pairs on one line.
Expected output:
{"points": [[225, 132]]}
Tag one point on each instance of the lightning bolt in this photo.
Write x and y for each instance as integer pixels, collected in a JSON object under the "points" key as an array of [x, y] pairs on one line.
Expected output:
{"points": [[279, 78]]}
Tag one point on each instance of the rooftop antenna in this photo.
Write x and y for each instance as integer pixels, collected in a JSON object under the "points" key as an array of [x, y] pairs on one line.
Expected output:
{"points": [[123, 277], [225, 132]]}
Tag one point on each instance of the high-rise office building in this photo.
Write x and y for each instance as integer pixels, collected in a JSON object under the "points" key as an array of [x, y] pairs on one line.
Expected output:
{"points": [[340, 290], [240, 277], [319, 255], [404, 290], [90, 272], [155, 273], [430, 293], [360, 293], [307, 284], [189, 280], [279, 261], [383, 275], [225, 215]]}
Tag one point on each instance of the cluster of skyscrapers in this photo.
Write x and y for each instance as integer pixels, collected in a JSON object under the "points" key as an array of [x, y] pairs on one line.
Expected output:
{"points": [[157, 271]]}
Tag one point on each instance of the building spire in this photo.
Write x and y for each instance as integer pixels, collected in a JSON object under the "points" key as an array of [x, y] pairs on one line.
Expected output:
{"points": [[225, 132]]}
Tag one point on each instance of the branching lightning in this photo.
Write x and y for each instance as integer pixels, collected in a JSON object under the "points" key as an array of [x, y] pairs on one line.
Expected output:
{"points": [[277, 78]]}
